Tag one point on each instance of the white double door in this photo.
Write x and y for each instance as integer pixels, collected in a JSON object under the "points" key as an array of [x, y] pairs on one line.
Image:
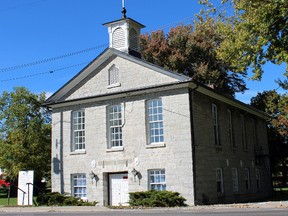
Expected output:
{"points": [[119, 189]]}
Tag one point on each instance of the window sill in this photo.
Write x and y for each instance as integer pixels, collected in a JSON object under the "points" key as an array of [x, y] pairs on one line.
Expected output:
{"points": [[115, 149], [156, 145], [78, 152], [114, 85]]}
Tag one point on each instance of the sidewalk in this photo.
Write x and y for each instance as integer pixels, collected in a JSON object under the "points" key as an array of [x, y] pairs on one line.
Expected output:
{"points": [[273, 205]]}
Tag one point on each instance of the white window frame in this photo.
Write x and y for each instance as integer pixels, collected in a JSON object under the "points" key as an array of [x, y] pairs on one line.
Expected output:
{"points": [[230, 129], [247, 178], [79, 185], [215, 124], [115, 124], [78, 130], [235, 180], [155, 124], [157, 179], [219, 180], [258, 178]]}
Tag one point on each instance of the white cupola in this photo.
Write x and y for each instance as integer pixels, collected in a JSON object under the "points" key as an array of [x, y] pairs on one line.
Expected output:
{"points": [[124, 34]]}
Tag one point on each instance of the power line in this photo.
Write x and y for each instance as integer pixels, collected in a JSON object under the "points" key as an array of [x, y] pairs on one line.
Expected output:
{"points": [[42, 73], [50, 59], [16, 67], [2, 70]]}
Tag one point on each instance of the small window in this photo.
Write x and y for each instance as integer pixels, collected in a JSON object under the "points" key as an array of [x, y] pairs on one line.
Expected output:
{"points": [[115, 126], [247, 178], [258, 179], [78, 127], [219, 180], [79, 185], [235, 183], [157, 179], [215, 124], [113, 73], [155, 121]]}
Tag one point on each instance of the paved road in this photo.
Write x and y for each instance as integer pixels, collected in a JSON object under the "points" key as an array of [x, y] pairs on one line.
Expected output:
{"points": [[239, 212], [249, 209]]}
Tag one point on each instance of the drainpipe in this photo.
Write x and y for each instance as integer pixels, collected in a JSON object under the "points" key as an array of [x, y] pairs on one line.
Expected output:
{"points": [[193, 141]]}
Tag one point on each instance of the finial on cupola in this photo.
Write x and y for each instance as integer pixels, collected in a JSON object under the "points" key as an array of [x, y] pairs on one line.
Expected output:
{"points": [[123, 9]]}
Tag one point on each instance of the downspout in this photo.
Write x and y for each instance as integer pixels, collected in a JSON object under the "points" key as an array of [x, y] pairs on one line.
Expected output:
{"points": [[193, 142]]}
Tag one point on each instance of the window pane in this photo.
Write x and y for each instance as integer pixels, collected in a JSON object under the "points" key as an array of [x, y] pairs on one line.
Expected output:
{"points": [[157, 180], [79, 130], [155, 118], [115, 125], [79, 185]]}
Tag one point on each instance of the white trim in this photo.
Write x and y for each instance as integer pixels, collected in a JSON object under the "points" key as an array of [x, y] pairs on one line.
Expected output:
{"points": [[115, 149], [156, 145], [114, 85]]}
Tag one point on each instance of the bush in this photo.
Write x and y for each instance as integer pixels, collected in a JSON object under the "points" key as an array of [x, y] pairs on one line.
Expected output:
{"points": [[155, 198], [58, 199]]}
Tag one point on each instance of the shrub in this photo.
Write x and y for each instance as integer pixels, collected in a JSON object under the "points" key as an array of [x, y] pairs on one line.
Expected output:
{"points": [[155, 198], [58, 199]]}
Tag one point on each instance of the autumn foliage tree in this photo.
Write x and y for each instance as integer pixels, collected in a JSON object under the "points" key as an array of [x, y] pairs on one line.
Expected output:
{"points": [[191, 50], [24, 133], [276, 105]]}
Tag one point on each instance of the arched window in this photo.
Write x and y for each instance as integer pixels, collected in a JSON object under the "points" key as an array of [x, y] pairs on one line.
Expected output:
{"points": [[113, 75]]}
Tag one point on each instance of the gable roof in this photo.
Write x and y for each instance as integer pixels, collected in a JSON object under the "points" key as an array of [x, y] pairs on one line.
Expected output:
{"points": [[182, 82], [99, 60]]}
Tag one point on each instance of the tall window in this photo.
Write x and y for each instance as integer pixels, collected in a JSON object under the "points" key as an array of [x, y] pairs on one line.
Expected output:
{"points": [[230, 129], [243, 132], [258, 179], [113, 75], [247, 178], [157, 179], [235, 183], [115, 126], [155, 121], [78, 130], [219, 181], [79, 185], [215, 124]]}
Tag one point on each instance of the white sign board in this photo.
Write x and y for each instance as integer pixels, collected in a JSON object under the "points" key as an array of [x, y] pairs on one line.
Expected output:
{"points": [[25, 187]]}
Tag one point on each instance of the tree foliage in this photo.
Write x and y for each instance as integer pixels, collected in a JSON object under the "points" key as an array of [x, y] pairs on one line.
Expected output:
{"points": [[256, 33], [276, 105], [191, 50], [24, 133]]}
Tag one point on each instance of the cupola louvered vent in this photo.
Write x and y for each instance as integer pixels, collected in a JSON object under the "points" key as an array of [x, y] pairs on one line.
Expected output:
{"points": [[118, 38], [133, 39]]}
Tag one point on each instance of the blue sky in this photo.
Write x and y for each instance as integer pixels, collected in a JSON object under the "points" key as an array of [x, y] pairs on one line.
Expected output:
{"points": [[50, 30]]}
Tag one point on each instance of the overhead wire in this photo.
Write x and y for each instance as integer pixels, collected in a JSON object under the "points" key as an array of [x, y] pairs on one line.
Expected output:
{"points": [[46, 72], [21, 66]]}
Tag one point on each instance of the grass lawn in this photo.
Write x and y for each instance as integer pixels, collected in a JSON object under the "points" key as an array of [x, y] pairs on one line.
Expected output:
{"points": [[4, 199], [12, 201]]}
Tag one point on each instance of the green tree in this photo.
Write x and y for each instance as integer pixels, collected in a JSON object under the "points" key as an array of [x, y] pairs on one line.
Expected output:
{"points": [[191, 50], [24, 133], [255, 33], [276, 105]]}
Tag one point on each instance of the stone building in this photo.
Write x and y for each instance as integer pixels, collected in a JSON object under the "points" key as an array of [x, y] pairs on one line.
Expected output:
{"points": [[123, 125]]}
